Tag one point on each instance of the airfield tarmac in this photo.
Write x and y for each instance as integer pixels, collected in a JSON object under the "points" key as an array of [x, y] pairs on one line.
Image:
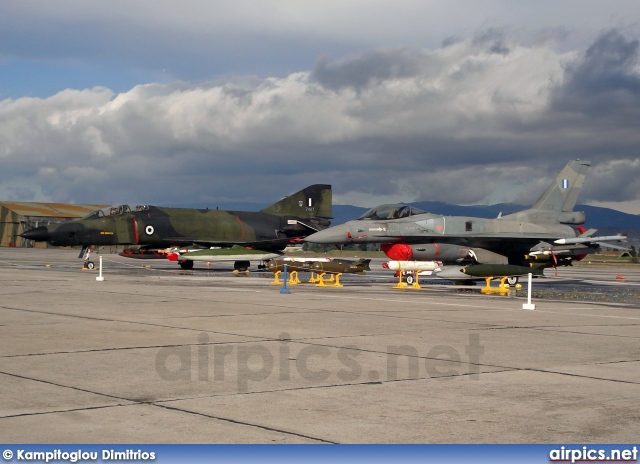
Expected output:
{"points": [[160, 355]]}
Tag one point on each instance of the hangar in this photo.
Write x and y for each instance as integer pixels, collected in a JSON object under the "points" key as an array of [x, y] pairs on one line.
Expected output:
{"points": [[18, 216]]}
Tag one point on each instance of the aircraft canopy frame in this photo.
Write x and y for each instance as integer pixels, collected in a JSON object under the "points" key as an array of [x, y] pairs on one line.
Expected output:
{"points": [[387, 212]]}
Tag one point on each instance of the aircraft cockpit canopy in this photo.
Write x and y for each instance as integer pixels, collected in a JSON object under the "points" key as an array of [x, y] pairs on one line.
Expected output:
{"points": [[119, 210], [110, 211], [390, 212]]}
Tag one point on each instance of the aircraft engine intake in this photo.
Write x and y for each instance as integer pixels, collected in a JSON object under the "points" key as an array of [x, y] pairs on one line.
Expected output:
{"points": [[294, 229], [397, 251]]}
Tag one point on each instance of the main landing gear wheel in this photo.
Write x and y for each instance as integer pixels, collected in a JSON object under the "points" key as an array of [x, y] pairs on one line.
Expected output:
{"points": [[90, 265], [241, 266], [187, 264], [512, 281]]}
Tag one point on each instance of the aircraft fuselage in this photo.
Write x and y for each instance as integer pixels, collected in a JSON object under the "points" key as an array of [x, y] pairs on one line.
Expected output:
{"points": [[447, 237]]}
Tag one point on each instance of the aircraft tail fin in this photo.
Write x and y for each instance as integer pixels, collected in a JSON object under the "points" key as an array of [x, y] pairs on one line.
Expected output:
{"points": [[313, 201], [557, 202], [563, 193]]}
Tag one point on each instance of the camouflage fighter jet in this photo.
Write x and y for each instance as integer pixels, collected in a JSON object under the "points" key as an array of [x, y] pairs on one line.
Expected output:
{"points": [[505, 246], [156, 228]]}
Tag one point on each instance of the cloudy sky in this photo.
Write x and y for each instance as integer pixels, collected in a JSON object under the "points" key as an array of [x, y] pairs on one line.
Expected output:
{"points": [[205, 101]]}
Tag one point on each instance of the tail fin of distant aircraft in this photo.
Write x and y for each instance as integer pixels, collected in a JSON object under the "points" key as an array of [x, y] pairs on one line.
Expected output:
{"points": [[557, 202], [313, 201], [562, 194]]}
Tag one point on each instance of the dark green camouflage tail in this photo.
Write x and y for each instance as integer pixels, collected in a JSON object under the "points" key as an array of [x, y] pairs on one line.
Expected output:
{"points": [[313, 201]]}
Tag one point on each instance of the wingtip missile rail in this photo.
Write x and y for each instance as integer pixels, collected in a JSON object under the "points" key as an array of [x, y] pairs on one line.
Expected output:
{"points": [[608, 238]]}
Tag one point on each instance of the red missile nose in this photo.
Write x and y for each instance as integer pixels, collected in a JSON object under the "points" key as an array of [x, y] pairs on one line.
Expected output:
{"points": [[349, 235], [172, 256]]}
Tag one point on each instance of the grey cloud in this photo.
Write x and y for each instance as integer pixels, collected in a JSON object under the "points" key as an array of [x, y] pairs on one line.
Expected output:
{"points": [[21, 194], [606, 80], [494, 40], [196, 40], [616, 180], [369, 68], [460, 123]]}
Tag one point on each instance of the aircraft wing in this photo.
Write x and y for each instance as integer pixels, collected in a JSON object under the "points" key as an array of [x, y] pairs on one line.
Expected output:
{"points": [[211, 242], [578, 246], [480, 239], [611, 245]]}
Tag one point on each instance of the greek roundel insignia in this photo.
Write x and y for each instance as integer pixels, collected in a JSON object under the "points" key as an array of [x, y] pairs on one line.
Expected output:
{"points": [[149, 230], [300, 203]]}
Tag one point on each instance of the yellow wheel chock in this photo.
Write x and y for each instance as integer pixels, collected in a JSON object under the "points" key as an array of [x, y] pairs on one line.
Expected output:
{"points": [[335, 279], [403, 285], [292, 279], [276, 278], [502, 289]]}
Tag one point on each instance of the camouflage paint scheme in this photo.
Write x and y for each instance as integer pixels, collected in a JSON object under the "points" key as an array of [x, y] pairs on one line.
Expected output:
{"points": [[272, 228]]}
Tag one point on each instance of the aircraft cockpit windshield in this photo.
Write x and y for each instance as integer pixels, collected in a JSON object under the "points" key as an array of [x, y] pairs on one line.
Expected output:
{"points": [[97, 214], [390, 212]]}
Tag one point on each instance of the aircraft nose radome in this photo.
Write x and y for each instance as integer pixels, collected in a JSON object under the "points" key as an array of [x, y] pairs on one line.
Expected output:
{"points": [[335, 234], [39, 234]]}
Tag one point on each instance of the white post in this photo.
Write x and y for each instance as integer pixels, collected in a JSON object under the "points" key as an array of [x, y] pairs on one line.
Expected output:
{"points": [[528, 304], [100, 278]]}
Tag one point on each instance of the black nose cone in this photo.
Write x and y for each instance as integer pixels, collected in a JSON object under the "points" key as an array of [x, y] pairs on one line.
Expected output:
{"points": [[39, 234]]}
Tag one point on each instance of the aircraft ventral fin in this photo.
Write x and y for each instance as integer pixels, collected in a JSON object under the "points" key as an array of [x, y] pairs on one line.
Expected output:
{"points": [[611, 245], [588, 233]]}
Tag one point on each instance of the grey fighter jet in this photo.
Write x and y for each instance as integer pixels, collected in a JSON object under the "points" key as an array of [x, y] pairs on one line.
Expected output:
{"points": [[539, 237]]}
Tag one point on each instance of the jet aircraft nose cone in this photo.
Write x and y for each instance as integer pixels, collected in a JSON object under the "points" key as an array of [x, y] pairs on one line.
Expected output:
{"points": [[39, 234], [335, 234]]}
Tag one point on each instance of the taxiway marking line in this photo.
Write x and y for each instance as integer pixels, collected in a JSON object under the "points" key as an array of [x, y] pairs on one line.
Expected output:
{"points": [[590, 315], [31, 276], [476, 306], [422, 302]]}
